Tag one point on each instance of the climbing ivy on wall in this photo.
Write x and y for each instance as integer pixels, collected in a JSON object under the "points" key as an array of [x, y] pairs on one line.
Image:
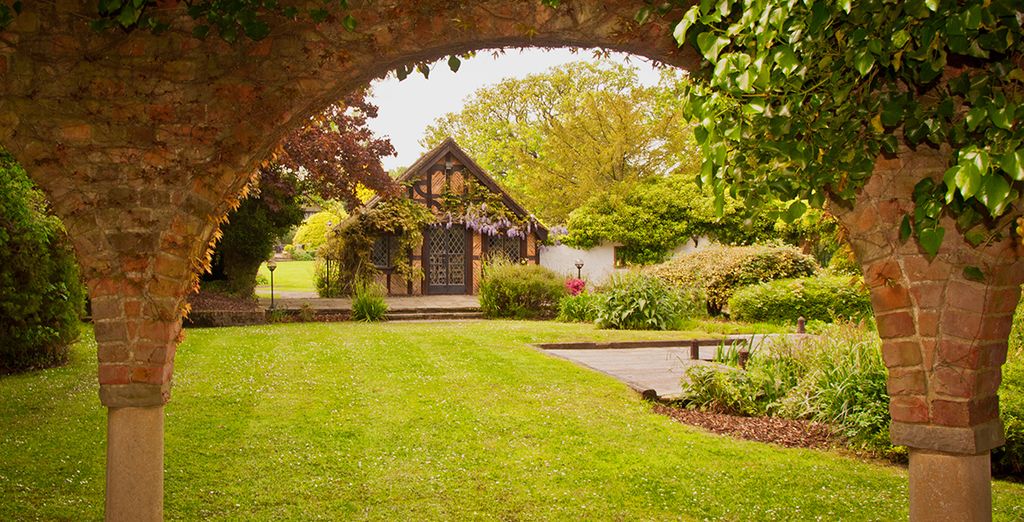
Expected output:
{"points": [[799, 98], [352, 243]]}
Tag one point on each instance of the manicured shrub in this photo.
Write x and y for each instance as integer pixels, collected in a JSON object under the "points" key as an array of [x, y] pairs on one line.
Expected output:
{"points": [[519, 291], [822, 298], [368, 303], [580, 308], [41, 295], [718, 271], [313, 232], [635, 301], [838, 378]]}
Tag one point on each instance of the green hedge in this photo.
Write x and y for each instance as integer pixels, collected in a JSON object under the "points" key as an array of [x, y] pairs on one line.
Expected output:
{"points": [[824, 298], [41, 295], [520, 291], [718, 271], [1009, 459]]}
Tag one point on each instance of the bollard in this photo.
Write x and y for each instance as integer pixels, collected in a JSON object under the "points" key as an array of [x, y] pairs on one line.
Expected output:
{"points": [[801, 324], [742, 358], [694, 350]]}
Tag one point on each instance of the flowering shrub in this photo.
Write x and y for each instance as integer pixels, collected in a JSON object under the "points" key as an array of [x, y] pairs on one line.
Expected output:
{"points": [[575, 286]]}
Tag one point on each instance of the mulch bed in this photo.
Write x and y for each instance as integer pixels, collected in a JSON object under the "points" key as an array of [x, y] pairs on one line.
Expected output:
{"points": [[785, 432]]}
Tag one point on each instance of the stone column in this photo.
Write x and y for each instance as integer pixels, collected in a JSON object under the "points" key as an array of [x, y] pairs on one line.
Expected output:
{"points": [[944, 337], [137, 341], [135, 464]]}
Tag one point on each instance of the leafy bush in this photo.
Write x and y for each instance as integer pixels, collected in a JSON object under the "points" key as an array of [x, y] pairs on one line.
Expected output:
{"points": [[580, 308], [368, 303], [838, 378], [520, 291], [313, 232], [41, 295], [634, 301], [718, 271], [299, 254], [824, 298]]}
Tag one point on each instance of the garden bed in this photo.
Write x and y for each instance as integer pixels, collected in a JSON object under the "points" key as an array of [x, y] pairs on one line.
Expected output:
{"points": [[784, 432]]}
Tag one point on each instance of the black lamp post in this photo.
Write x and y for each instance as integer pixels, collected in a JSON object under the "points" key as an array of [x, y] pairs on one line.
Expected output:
{"points": [[579, 269], [271, 265]]}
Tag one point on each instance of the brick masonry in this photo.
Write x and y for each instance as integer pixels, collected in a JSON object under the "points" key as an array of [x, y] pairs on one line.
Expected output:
{"points": [[944, 336], [145, 142]]}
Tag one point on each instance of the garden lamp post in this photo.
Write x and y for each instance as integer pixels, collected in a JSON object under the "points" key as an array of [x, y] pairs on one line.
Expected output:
{"points": [[579, 269], [271, 265]]}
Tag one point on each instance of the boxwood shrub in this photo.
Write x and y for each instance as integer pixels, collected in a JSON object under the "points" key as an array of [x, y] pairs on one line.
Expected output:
{"points": [[823, 298], [41, 296], [718, 271], [520, 291]]}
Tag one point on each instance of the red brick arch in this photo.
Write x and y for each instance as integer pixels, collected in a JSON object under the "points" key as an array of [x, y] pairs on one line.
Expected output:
{"points": [[143, 142]]}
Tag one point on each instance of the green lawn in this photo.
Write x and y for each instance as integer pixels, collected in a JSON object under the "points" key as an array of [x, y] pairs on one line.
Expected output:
{"points": [[290, 276], [428, 421]]}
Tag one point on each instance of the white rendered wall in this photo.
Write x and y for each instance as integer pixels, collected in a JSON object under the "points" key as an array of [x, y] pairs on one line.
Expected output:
{"points": [[598, 262]]}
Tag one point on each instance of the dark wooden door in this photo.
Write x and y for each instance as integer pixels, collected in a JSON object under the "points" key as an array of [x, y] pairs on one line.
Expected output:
{"points": [[447, 260]]}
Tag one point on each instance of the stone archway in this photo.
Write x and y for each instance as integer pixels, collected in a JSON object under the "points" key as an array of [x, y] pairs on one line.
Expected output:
{"points": [[144, 143]]}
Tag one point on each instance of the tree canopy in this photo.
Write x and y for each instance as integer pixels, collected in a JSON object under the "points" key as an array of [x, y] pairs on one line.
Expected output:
{"points": [[799, 99], [557, 138], [660, 214]]}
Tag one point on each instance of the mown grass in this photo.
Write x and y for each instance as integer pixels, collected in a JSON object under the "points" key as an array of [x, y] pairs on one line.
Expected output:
{"points": [[289, 276], [428, 421]]}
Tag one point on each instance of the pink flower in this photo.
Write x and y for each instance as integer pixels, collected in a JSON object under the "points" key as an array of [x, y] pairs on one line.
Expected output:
{"points": [[575, 286]]}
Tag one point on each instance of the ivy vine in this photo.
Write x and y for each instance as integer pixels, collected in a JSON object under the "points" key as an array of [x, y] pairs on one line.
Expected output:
{"points": [[799, 97]]}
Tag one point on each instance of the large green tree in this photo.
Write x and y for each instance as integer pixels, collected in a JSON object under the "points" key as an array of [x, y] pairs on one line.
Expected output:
{"points": [[557, 138], [661, 213]]}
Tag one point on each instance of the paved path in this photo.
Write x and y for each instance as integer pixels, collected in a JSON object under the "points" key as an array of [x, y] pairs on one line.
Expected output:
{"points": [[658, 369], [433, 302], [653, 372]]}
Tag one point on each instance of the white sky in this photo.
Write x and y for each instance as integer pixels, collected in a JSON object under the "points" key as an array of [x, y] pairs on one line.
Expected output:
{"points": [[407, 107]]}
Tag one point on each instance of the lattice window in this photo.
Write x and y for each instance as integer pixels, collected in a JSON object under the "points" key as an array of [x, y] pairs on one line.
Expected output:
{"points": [[383, 252], [508, 247]]}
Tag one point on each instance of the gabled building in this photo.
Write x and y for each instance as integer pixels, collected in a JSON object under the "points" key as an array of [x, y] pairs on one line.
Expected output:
{"points": [[454, 250]]}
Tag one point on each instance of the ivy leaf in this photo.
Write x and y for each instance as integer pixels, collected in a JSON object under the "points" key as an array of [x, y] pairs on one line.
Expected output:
{"points": [[200, 31], [994, 192], [974, 117], [931, 239], [1013, 164], [349, 23], [786, 60], [684, 25], [642, 15], [256, 29], [454, 63], [711, 44], [968, 180], [863, 61], [933, 5], [975, 236], [905, 229], [1002, 117], [973, 273]]}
